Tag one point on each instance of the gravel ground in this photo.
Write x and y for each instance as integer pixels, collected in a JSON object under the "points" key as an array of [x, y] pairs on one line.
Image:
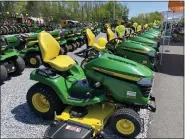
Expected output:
{"points": [[18, 121]]}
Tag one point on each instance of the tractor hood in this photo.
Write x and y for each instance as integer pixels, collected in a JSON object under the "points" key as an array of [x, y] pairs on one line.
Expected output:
{"points": [[55, 33], [119, 67], [32, 36], [151, 34], [11, 38], [142, 39], [136, 47], [12, 41]]}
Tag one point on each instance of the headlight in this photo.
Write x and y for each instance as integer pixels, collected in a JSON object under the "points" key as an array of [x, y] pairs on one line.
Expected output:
{"points": [[145, 82], [152, 54]]}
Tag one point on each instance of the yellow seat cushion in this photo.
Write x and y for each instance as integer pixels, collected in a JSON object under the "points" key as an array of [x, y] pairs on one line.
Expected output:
{"points": [[101, 44], [61, 63], [98, 47]]}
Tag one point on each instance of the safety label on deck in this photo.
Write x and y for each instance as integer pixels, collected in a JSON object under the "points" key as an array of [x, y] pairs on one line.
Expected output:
{"points": [[73, 128]]}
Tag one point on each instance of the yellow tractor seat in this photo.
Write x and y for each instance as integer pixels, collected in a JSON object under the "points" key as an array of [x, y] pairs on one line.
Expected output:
{"points": [[50, 50], [111, 36], [61, 63], [100, 45], [120, 30], [139, 28]]}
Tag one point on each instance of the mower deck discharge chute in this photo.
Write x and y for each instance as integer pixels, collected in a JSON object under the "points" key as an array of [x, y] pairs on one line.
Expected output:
{"points": [[104, 96]]}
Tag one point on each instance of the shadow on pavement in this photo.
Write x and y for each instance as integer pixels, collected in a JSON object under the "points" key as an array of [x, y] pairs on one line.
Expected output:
{"points": [[177, 43], [173, 64], [173, 43], [23, 114]]}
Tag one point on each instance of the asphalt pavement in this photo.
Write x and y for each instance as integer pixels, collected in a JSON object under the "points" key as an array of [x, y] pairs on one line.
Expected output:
{"points": [[167, 122]]}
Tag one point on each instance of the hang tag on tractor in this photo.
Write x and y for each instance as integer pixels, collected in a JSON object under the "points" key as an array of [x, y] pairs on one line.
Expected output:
{"points": [[131, 94]]}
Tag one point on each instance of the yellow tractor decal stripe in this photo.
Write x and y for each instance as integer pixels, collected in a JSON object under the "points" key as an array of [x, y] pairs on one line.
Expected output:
{"points": [[141, 51], [128, 77]]}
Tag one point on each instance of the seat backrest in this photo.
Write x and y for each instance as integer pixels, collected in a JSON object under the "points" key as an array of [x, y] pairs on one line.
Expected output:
{"points": [[120, 30], [49, 47], [102, 42], [146, 26], [135, 26], [90, 37], [110, 34], [139, 28]]}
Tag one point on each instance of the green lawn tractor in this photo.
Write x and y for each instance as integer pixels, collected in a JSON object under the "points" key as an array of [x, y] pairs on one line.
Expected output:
{"points": [[153, 32], [27, 46], [71, 39], [143, 39], [129, 33], [63, 43], [108, 93], [132, 50], [148, 34], [80, 36], [78, 30], [125, 48], [120, 31], [10, 61]]}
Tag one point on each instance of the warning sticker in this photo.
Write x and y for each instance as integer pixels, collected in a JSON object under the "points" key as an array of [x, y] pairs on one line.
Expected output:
{"points": [[73, 128]]}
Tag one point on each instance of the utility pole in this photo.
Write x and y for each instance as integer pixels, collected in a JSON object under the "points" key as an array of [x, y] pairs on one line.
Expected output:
{"points": [[114, 10]]}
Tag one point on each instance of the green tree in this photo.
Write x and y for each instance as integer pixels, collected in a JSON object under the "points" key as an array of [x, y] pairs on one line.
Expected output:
{"points": [[147, 18]]}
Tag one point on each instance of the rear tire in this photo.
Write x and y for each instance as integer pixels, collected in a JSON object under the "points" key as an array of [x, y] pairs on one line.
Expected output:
{"points": [[75, 45], [72, 47], [78, 44], [81, 43], [33, 60], [19, 65], [3, 74], [126, 123], [46, 106], [83, 63], [64, 47]]}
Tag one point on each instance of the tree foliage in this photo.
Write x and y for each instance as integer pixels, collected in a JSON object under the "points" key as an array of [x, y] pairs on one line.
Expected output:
{"points": [[73, 10], [147, 18]]}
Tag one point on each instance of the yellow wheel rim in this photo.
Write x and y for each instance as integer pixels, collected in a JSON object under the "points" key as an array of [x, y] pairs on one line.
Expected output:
{"points": [[33, 61], [125, 126], [40, 102], [70, 47]]}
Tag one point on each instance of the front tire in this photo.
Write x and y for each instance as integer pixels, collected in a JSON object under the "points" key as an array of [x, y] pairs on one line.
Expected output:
{"points": [[126, 123], [71, 47], [64, 47], [83, 63], [44, 102], [33, 60], [3, 74], [19, 65]]}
